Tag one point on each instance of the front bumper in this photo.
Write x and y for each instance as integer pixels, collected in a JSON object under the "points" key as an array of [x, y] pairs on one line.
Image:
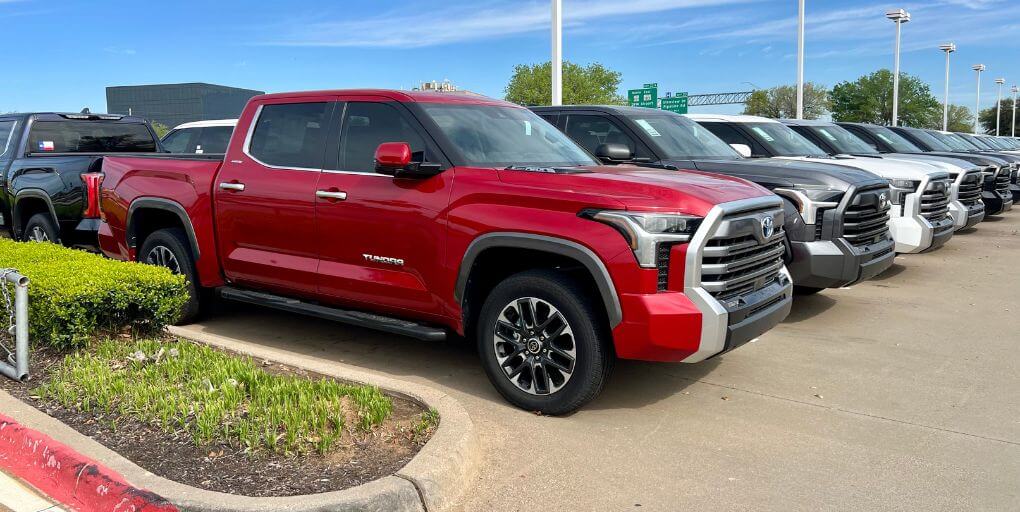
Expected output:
{"points": [[965, 217], [996, 202], [916, 234], [837, 263], [1014, 189]]}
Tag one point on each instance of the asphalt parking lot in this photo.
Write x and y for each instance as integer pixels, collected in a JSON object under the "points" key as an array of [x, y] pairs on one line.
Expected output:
{"points": [[898, 394]]}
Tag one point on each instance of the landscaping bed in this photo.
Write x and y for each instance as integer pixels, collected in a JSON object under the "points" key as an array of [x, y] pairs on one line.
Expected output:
{"points": [[111, 392]]}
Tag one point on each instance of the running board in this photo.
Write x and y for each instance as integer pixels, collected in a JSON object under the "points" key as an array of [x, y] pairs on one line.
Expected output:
{"points": [[358, 318]]}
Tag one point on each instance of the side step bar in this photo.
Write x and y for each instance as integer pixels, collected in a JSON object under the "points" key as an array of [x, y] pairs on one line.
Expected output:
{"points": [[358, 318]]}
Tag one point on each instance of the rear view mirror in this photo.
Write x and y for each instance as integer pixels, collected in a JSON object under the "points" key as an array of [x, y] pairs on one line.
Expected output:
{"points": [[743, 149], [613, 153], [395, 159]]}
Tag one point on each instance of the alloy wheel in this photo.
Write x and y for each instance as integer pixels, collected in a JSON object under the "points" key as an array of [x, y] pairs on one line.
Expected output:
{"points": [[38, 234], [163, 257], [534, 346]]}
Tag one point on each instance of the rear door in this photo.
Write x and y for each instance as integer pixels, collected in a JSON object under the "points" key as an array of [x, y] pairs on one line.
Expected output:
{"points": [[265, 196], [381, 238]]}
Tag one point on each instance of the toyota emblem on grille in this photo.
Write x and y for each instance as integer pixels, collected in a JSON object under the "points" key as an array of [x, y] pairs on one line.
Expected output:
{"points": [[883, 201], [768, 227]]}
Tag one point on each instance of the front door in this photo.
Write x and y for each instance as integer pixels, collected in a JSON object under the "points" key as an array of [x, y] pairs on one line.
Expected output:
{"points": [[265, 197], [381, 238]]}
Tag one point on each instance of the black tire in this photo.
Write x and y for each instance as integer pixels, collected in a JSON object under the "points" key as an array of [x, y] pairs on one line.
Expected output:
{"points": [[176, 242], [41, 228], [806, 290], [589, 337]]}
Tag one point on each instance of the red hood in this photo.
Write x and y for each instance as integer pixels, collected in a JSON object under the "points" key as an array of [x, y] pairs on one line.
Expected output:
{"points": [[643, 188]]}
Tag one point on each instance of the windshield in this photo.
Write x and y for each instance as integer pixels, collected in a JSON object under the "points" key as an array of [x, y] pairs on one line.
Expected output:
{"points": [[992, 142], [955, 141], [933, 140], [495, 136], [842, 140], [781, 140], [680, 138], [975, 141], [894, 140]]}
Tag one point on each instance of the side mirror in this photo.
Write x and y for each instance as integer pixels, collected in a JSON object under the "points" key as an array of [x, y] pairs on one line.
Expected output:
{"points": [[394, 159], [613, 153], [743, 149]]}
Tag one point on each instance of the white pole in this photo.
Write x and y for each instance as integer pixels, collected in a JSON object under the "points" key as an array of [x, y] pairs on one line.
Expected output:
{"points": [[945, 106], [998, 105], [800, 60], [977, 105], [557, 52], [1014, 110], [896, 78]]}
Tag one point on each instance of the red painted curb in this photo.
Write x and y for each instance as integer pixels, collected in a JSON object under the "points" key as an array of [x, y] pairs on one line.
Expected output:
{"points": [[73, 480]]}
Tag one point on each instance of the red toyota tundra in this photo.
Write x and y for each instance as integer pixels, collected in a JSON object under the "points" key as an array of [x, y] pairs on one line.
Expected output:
{"points": [[424, 214]]}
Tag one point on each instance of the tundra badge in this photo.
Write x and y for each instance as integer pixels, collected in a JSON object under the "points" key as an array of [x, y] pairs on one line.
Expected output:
{"points": [[383, 259]]}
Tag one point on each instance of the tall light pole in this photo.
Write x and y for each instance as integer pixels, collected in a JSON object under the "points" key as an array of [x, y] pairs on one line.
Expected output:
{"points": [[998, 104], [1014, 90], [899, 16], [557, 52], [977, 106], [800, 60], [948, 48]]}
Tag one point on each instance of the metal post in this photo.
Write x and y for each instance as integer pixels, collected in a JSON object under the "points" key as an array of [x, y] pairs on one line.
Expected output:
{"points": [[19, 371], [978, 68], [800, 60], [557, 52], [896, 78], [998, 104], [945, 105], [1015, 90]]}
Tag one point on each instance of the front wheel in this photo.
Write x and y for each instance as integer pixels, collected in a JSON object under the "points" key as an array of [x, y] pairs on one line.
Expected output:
{"points": [[170, 248], [542, 344]]}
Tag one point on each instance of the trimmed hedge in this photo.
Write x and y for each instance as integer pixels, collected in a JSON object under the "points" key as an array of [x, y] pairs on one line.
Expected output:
{"points": [[76, 295]]}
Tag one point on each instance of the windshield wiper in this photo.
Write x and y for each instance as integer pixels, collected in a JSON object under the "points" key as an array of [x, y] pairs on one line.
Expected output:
{"points": [[653, 165]]}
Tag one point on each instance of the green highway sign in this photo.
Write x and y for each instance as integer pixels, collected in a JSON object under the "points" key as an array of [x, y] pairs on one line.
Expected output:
{"points": [[647, 97], [677, 103], [653, 85]]}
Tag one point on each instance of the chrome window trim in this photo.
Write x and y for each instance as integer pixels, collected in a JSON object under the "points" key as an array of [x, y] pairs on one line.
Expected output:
{"points": [[246, 148]]}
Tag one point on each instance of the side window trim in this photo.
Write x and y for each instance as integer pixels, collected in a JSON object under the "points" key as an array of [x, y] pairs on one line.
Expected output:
{"points": [[246, 147]]}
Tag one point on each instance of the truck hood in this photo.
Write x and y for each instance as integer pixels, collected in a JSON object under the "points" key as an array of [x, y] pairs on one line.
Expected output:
{"points": [[639, 188], [886, 168], [775, 172], [931, 158], [973, 158], [952, 169]]}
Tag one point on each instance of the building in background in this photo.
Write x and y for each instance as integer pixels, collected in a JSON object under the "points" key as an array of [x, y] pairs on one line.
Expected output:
{"points": [[434, 86], [174, 104]]}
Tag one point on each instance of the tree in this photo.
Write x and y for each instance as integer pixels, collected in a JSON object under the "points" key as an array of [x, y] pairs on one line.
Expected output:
{"points": [[591, 84], [869, 100], [960, 119], [987, 119], [160, 129], [781, 102]]}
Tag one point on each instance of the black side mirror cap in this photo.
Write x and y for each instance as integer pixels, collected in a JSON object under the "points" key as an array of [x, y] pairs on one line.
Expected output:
{"points": [[611, 153]]}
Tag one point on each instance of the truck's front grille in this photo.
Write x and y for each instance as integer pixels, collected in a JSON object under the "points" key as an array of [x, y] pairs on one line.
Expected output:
{"points": [[866, 220], [739, 259], [935, 200], [1002, 180], [970, 189], [662, 264]]}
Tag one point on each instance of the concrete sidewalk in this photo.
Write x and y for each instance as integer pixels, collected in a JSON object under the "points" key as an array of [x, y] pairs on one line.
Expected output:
{"points": [[15, 496], [898, 394]]}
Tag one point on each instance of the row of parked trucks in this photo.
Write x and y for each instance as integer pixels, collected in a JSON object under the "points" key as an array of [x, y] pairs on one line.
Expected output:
{"points": [[557, 238]]}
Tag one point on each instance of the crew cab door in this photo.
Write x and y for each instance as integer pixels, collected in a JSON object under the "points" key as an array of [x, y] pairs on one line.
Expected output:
{"points": [[265, 196], [381, 239]]}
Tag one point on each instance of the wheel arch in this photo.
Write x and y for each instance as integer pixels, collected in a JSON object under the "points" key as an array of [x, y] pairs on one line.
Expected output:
{"points": [[31, 196], [557, 248], [167, 209]]}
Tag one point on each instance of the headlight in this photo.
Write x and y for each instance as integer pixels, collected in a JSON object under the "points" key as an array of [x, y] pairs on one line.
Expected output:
{"points": [[901, 188], [810, 200], [645, 230]]}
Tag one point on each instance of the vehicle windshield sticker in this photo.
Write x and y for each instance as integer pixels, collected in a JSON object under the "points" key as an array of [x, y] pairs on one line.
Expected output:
{"points": [[826, 134], [46, 145], [527, 128], [763, 134], [648, 128]]}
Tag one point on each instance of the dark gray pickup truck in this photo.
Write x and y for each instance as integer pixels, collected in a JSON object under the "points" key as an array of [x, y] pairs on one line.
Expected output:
{"points": [[837, 216], [49, 171]]}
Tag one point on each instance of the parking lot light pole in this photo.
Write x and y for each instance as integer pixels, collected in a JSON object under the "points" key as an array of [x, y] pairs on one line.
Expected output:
{"points": [[948, 48], [899, 16], [977, 106], [557, 52], [1014, 90], [998, 104], [800, 60]]}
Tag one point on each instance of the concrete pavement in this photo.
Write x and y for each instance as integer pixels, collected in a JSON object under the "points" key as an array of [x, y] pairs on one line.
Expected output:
{"points": [[898, 394]]}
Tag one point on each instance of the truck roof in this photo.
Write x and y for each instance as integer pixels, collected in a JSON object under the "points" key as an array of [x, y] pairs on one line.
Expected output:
{"points": [[462, 97], [207, 124], [730, 118], [806, 122], [615, 109], [59, 116]]}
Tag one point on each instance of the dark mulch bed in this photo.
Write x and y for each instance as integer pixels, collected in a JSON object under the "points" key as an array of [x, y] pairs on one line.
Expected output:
{"points": [[360, 457]]}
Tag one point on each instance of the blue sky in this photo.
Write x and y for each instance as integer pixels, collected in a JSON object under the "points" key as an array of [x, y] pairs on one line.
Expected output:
{"points": [[62, 54]]}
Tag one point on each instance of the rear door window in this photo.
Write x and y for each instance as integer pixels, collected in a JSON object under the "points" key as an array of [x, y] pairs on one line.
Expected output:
{"points": [[6, 134], [90, 137], [291, 135], [213, 139]]}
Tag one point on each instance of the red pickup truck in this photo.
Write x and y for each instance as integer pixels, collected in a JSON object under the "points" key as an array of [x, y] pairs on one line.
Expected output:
{"points": [[425, 214]]}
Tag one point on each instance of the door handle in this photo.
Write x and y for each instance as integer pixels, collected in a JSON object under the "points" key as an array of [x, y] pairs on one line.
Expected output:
{"points": [[238, 187], [331, 194]]}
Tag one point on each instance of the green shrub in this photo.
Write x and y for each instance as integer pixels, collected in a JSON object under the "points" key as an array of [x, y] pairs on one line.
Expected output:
{"points": [[75, 295]]}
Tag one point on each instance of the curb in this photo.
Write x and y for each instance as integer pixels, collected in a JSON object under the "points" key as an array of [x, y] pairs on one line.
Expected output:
{"points": [[433, 481]]}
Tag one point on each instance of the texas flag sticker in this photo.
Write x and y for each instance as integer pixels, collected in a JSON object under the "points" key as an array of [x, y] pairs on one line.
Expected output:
{"points": [[46, 145]]}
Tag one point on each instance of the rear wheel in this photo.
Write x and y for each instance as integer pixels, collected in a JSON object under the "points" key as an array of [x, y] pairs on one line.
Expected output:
{"points": [[41, 228], [170, 248], [542, 345]]}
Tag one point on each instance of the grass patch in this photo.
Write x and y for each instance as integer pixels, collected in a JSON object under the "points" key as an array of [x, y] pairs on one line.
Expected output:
{"points": [[74, 295], [214, 397]]}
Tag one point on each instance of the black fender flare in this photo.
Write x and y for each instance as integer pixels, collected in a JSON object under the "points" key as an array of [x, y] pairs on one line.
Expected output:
{"points": [[158, 203], [559, 246], [33, 193]]}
